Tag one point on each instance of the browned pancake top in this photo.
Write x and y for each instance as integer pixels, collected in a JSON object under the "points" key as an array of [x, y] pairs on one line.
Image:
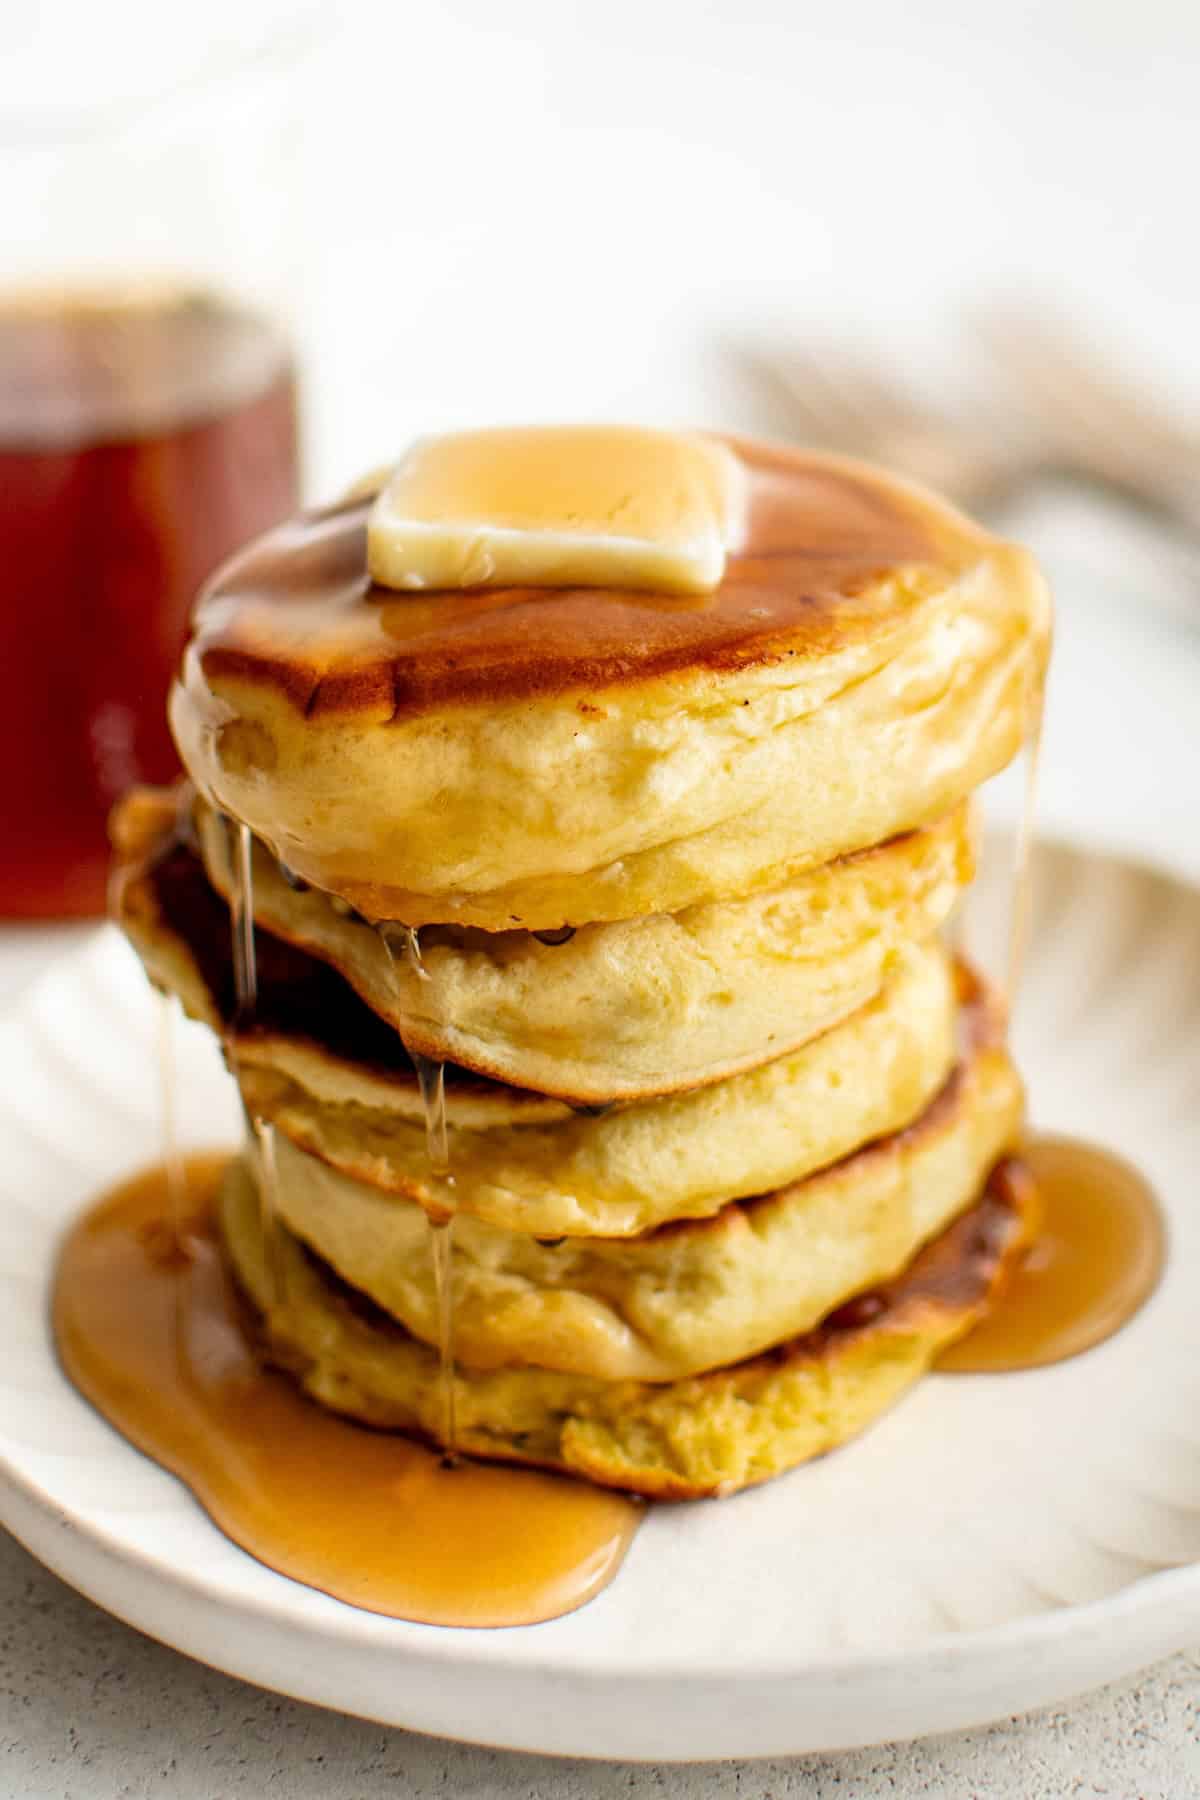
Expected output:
{"points": [[297, 611]]}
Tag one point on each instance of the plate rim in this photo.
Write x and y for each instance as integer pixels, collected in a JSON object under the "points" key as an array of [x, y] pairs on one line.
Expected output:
{"points": [[359, 1623], [969, 1701]]}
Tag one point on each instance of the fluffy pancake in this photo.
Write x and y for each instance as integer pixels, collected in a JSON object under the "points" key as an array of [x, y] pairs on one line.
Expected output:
{"points": [[638, 1166], [711, 1434], [542, 758], [645, 1006], [688, 1296], [333, 1077]]}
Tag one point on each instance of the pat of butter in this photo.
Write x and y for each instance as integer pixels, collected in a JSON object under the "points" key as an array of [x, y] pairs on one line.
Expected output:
{"points": [[559, 506]]}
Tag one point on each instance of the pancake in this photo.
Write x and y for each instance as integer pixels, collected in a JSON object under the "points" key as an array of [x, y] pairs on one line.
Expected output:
{"points": [[317, 1063], [638, 1166], [711, 1434], [688, 1296], [646, 1006], [546, 758]]}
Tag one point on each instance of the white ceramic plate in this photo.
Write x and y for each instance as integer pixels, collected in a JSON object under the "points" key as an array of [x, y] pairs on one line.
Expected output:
{"points": [[994, 1544]]}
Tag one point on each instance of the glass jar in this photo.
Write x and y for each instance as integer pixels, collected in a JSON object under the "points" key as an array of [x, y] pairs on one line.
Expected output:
{"points": [[148, 416]]}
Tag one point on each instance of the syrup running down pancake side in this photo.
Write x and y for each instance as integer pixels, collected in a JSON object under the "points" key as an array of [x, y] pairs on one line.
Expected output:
{"points": [[151, 1330], [245, 977], [1101, 1243], [431, 1077], [405, 940]]}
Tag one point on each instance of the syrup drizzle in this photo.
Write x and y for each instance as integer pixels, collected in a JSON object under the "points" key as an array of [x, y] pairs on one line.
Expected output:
{"points": [[404, 941], [955, 932], [441, 1251], [1021, 889], [1100, 1247], [174, 1170], [245, 979], [241, 915], [431, 1079], [268, 1201]]}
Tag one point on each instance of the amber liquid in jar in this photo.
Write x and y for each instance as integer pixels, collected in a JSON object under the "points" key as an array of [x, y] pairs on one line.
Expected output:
{"points": [[143, 437]]}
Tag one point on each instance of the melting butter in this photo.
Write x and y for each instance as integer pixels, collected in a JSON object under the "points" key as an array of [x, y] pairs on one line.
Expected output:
{"points": [[559, 506]]}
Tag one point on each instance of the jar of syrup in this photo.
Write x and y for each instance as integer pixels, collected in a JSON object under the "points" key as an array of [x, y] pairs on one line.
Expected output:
{"points": [[148, 415]]}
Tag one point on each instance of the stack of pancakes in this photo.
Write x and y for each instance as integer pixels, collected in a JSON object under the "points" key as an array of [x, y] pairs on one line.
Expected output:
{"points": [[661, 882]]}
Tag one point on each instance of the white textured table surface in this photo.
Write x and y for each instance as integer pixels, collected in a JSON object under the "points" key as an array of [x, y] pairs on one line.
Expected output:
{"points": [[91, 1710]]}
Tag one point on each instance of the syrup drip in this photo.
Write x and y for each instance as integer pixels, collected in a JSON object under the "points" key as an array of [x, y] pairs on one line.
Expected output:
{"points": [[957, 930], [245, 980], [955, 933], [268, 1201], [405, 940], [1096, 1260], [441, 1251], [431, 1079], [162, 1346], [174, 1170], [1021, 904], [1101, 1244], [241, 915]]}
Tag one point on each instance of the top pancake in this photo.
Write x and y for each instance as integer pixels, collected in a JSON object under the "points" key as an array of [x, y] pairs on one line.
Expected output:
{"points": [[547, 757]]}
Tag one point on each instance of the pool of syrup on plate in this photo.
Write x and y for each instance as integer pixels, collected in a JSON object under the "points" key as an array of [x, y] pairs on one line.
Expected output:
{"points": [[1097, 1257], [151, 1328]]}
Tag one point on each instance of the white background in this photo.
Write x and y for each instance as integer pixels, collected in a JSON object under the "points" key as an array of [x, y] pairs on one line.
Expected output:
{"points": [[521, 209], [543, 209], [532, 208]]}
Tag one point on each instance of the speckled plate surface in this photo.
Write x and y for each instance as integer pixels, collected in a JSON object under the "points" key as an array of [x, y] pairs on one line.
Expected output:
{"points": [[995, 1543]]}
